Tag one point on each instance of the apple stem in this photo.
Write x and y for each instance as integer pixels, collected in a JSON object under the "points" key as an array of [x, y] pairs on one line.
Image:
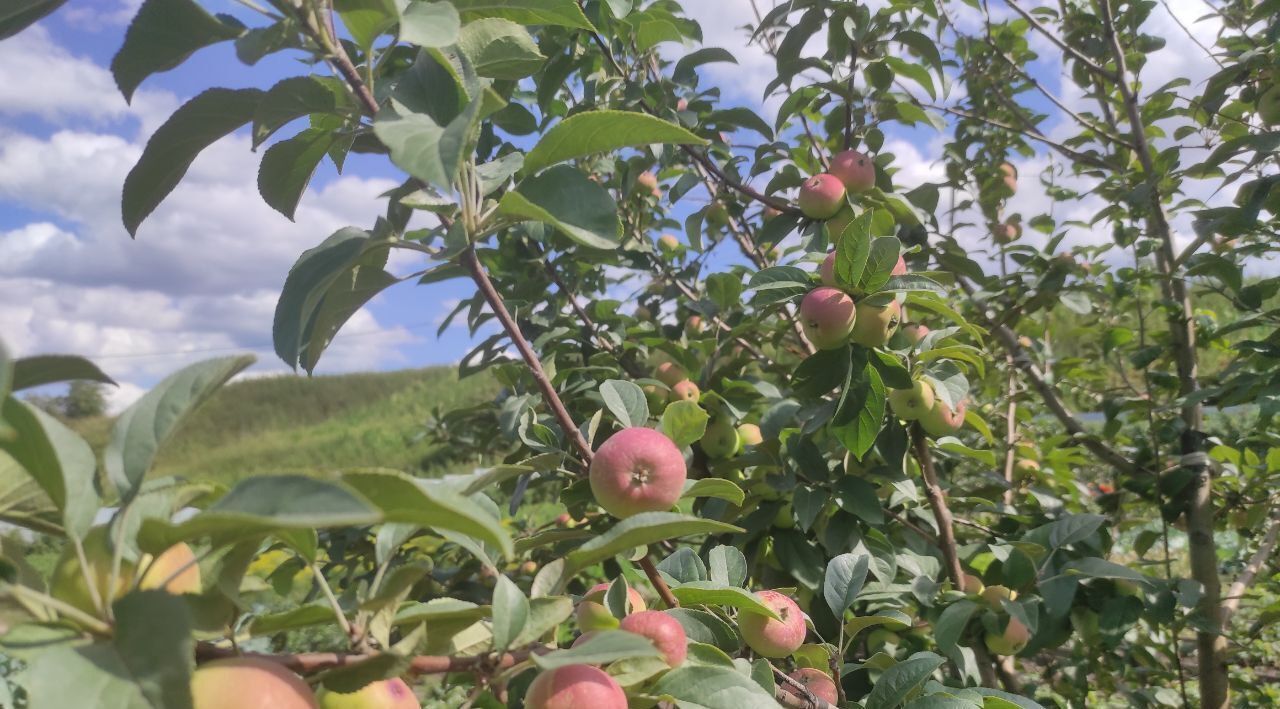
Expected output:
{"points": [[659, 585]]}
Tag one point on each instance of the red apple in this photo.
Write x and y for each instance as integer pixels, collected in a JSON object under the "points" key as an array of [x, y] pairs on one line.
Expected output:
{"points": [[178, 556], [684, 390], [915, 332], [818, 683], [249, 683], [856, 171], [666, 633], [694, 324], [942, 420], [1009, 174], [637, 470], [827, 315], [575, 687], [670, 373], [769, 637], [821, 196], [1006, 233]]}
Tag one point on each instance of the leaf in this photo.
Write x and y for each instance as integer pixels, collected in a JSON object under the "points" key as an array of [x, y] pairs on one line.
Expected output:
{"points": [[897, 682], [31, 372], [440, 610], [139, 431], [684, 422], [684, 565], [405, 499], [510, 613], [727, 565], [711, 593], [566, 199], [366, 19], [1102, 569], [544, 615], [714, 487], [17, 15], [304, 616], [844, 578], [711, 687], [880, 262], [500, 49], [705, 627], [174, 146], [853, 248], [147, 663], [950, 626], [162, 35], [593, 132], [430, 24], [602, 647], [625, 401], [258, 505], [424, 149], [351, 678], [858, 420], [59, 461], [287, 168], [293, 98], [1066, 531], [640, 530], [684, 71], [563, 13]]}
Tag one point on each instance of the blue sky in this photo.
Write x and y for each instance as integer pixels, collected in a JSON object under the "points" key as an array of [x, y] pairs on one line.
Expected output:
{"points": [[202, 276]]}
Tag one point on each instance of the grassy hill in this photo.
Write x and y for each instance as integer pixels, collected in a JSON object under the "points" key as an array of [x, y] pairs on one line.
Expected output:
{"points": [[298, 424]]}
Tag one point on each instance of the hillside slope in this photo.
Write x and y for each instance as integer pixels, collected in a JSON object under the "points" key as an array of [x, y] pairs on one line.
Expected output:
{"points": [[298, 424]]}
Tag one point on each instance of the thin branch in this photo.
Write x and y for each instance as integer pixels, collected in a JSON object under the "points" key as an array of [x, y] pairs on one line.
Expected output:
{"points": [[311, 662], [938, 502], [1067, 152], [659, 585], [88, 622], [325, 589], [1264, 551], [1191, 35], [1066, 48]]}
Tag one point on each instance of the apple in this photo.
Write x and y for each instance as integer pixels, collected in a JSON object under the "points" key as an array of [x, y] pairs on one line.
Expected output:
{"points": [[170, 561], [564, 519], [666, 633], [1025, 341], [575, 687], [899, 268], [827, 316], [856, 171], [656, 396], [643, 313], [669, 244], [670, 373], [911, 404], [1011, 641], [1006, 233], [249, 683], [818, 683], [694, 324], [821, 196], [915, 332], [592, 614], [769, 637], [1025, 467], [1009, 174], [1268, 106], [875, 324], [718, 214], [529, 568], [68, 582], [682, 104], [684, 391], [637, 470], [827, 271], [785, 517], [973, 585], [647, 181], [841, 221], [942, 420], [993, 595], [721, 439], [387, 694], [750, 435]]}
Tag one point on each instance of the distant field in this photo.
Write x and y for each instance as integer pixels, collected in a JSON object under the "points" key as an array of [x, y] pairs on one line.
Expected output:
{"points": [[300, 424]]}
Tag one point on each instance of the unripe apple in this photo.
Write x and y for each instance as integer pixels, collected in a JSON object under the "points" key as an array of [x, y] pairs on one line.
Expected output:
{"points": [[973, 585], [68, 582], [563, 519], [682, 104], [1006, 233], [750, 435], [718, 214], [669, 244], [911, 404], [821, 196], [178, 556], [656, 396], [827, 315], [575, 687], [720, 439], [785, 517], [643, 313], [993, 595], [875, 324], [684, 390], [769, 637], [694, 324], [915, 332], [666, 633], [942, 420], [1009, 174], [529, 568], [387, 694], [592, 614], [670, 373], [841, 221], [1011, 641], [1025, 341], [249, 683], [637, 470], [1025, 467], [827, 271], [647, 181], [1268, 106], [856, 171], [818, 683]]}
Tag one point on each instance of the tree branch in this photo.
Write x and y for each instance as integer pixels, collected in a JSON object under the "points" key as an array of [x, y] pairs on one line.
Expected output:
{"points": [[1066, 48], [1260, 556], [938, 502], [311, 662], [799, 697], [659, 585]]}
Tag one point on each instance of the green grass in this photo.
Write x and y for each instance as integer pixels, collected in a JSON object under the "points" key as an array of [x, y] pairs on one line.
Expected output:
{"points": [[294, 424]]}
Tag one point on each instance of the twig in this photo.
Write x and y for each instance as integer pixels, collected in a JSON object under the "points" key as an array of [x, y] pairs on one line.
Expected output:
{"points": [[1066, 48], [659, 585], [338, 613], [311, 662], [941, 512], [1033, 134], [1264, 551]]}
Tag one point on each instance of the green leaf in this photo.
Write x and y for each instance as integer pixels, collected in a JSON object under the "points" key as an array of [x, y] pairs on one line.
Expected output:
{"points": [[566, 199], [1094, 567], [844, 578], [853, 248], [303, 616], [1066, 531], [951, 624], [258, 505], [162, 35], [897, 682], [858, 420], [684, 565], [593, 132], [405, 499], [711, 687], [293, 98], [779, 283], [59, 461], [640, 530], [625, 401], [713, 487], [439, 610], [711, 593], [880, 262], [510, 613], [147, 663], [139, 431], [605, 646], [727, 565], [500, 49], [430, 24], [195, 126], [705, 627], [424, 149], [562, 13], [17, 15], [684, 422], [31, 372], [684, 71], [366, 19], [544, 615], [287, 168], [351, 678]]}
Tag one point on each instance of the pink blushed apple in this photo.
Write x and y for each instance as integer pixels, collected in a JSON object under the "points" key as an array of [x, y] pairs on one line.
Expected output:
{"points": [[821, 196], [855, 170], [684, 390], [637, 470], [592, 614], [750, 434], [769, 637], [670, 373], [942, 420], [899, 268], [817, 682], [666, 633], [827, 271], [827, 316], [575, 687]]}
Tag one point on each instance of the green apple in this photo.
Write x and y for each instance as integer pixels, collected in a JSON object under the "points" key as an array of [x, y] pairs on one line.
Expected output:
{"points": [[721, 439], [875, 324], [911, 404]]}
